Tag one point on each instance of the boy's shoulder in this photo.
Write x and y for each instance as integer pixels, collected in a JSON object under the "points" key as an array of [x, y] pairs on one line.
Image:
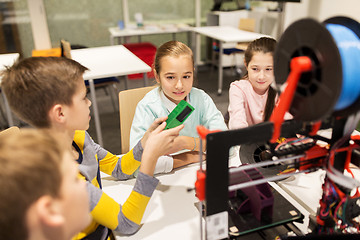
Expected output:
{"points": [[81, 136]]}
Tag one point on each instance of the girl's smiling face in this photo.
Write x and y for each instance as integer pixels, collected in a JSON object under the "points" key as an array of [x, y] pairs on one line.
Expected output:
{"points": [[176, 77], [260, 71]]}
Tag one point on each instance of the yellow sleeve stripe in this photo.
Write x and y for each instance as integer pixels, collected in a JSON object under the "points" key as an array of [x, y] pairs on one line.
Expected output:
{"points": [[108, 163], [128, 163], [89, 229], [80, 176], [135, 206], [106, 212], [79, 139], [95, 182]]}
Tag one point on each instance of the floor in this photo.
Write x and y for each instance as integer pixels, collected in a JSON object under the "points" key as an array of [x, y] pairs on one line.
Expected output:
{"points": [[206, 79]]}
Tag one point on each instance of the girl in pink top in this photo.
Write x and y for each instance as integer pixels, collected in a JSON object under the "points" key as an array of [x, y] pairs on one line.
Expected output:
{"points": [[252, 99]]}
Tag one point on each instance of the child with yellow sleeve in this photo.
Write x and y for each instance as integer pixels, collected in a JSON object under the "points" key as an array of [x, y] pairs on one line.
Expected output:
{"points": [[49, 92]]}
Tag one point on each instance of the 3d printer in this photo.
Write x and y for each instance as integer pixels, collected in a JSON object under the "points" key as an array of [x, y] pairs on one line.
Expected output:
{"points": [[318, 66]]}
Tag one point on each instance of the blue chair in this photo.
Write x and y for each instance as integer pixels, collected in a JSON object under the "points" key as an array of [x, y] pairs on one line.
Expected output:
{"points": [[109, 85], [227, 51]]}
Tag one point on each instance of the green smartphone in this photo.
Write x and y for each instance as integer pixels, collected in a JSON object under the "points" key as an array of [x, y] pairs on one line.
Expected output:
{"points": [[180, 113]]}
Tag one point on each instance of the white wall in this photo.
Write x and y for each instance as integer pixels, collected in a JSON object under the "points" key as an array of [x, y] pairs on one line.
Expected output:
{"points": [[39, 25], [331, 8], [321, 10], [296, 11]]}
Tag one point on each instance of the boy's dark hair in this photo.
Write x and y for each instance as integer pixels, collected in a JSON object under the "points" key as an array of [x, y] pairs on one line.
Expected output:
{"points": [[33, 85]]}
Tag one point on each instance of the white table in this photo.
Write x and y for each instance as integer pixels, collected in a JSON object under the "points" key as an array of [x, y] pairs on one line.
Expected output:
{"points": [[225, 34], [172, 211], [109, 61], [8, 60], [121, 34]]}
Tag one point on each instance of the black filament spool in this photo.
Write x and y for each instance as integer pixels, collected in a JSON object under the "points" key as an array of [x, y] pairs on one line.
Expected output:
{"points": [[317, 91], [256, 153]]}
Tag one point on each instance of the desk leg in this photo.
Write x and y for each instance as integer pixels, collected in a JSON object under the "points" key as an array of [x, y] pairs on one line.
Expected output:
{"points": [[196, 50], [111, 40], [8, 112], [188, 35], [220, 68], [146, 82], [96, 113], [126, 82]]}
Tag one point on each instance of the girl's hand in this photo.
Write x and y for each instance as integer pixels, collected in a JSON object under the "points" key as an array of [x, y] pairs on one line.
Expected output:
{"points": [[189, 143]]}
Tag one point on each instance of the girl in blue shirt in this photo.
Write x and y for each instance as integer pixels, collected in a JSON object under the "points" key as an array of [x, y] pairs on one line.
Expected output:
{"points": [[174, 71]]}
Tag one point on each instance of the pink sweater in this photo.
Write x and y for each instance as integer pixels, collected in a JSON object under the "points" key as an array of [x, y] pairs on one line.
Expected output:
{"points": [[246, 107]]}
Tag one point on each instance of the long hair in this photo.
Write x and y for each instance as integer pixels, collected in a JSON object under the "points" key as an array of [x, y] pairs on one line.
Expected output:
{"points": [[262, 45]]}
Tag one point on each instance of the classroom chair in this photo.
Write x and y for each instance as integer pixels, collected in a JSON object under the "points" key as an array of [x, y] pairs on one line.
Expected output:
{"points": [[10, 131], [146, 52], [52, 52], [128, 100]]}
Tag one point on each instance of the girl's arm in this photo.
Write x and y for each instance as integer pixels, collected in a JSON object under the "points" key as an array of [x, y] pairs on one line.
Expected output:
{"points": [[187, 158], [237, 115], [189, 143]]}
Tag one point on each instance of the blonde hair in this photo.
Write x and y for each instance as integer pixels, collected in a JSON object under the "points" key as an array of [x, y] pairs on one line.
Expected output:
{"points": [[30, 168], [173, 49], [33, 85]]}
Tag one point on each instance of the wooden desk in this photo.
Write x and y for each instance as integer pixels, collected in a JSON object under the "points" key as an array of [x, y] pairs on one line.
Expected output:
{"points": [[109, 61], [225, 34], [120, 35], [8, 60]]}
